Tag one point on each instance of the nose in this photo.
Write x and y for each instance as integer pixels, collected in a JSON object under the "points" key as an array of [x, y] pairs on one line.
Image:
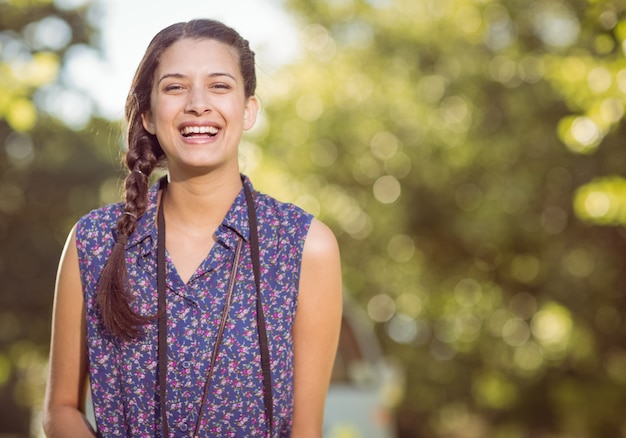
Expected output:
{"points": [[198, 101]]}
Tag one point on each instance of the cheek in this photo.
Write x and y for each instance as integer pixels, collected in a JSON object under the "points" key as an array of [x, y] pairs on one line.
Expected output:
{"points": [[163, 113]]}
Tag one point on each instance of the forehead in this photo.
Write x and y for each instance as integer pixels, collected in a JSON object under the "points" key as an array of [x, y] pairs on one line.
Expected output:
{"points": [[205, 55]]}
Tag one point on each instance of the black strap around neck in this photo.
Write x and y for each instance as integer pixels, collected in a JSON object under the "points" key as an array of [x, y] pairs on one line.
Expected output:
{"points": [[256, 266], [162, 313]]}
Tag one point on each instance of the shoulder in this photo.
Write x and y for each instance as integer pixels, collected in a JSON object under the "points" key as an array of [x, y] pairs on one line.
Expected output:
{"points": [[286, 209], [95, 230], [280, 214], [105, 212], [102, 218], [105, 218], [321, 244]]}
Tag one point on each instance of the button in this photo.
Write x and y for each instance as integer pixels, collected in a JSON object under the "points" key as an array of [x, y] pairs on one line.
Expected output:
{"points": [[182, 426], [187, 364]]}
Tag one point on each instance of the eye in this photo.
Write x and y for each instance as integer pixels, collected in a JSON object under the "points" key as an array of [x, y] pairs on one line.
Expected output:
{"points": [[221, 86], [172, 87]]}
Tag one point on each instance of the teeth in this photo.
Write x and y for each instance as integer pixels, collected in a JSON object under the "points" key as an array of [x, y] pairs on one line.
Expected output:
{"points": [[188, 130]]}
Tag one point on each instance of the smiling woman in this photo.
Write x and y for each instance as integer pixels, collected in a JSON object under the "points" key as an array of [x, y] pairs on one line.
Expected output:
{"points": [[198, 304]]}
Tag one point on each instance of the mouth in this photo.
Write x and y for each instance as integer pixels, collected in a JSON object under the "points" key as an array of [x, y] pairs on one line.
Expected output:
{"points": [[199, 131]]}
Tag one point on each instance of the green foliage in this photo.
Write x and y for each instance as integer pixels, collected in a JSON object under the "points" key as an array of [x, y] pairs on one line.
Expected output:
{"points": [[468, 155], [455, 148], [49, 176], [601, 201], [34, 37]]}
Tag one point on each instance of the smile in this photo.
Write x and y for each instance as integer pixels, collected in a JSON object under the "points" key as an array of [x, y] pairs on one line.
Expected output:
{"points": [[189, 131]]}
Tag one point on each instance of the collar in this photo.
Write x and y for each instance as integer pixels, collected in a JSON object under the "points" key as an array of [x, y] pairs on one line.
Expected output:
{"points": [[237, 217], [235, 220]]}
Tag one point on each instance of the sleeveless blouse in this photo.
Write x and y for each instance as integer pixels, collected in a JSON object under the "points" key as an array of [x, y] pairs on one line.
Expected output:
{"points": [[123, 375]]}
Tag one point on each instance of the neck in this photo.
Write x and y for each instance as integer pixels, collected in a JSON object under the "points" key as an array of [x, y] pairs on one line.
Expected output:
{"points": [[202, 201]]}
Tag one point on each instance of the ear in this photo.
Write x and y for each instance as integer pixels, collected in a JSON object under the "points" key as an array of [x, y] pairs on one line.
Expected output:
{"points": [[147, 122], [250, 113]]}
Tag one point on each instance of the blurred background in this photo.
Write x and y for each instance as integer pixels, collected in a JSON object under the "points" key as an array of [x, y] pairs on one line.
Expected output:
{"points": [[469, 155]]}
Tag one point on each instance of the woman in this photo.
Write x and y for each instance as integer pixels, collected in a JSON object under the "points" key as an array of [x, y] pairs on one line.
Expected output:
{"points": [[184, 319]]}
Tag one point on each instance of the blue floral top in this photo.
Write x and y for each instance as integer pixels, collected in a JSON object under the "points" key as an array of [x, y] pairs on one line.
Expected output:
{"points": [[123, 374]]}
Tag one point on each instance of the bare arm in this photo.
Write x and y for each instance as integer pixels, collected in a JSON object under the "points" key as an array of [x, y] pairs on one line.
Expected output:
{"points": [[316, 329], [68, 358]]}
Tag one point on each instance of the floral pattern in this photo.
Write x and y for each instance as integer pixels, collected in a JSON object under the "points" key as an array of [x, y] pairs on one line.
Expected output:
{"points": [[123, 375]]}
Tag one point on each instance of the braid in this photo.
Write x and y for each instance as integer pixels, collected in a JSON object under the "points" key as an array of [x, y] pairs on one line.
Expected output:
{"points": [[143, 156], [113, 296]]}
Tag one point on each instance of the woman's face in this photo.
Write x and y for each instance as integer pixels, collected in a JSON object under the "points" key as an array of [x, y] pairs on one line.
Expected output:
{"points": [[198, 109]]}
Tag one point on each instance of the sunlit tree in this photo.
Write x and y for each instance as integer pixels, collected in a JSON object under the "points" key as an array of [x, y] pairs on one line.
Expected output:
{"points": [[54, 160], [467, 153], [462, 151]]}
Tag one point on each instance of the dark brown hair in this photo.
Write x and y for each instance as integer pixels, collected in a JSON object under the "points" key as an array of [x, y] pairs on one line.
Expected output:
{"points": [[143, 156]]}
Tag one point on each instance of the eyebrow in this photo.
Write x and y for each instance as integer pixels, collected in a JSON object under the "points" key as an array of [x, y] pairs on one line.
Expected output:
{"points": [[181, 76]]}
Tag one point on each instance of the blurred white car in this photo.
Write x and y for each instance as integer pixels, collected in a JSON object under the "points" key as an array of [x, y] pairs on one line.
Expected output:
{"points": [[365, 387]]}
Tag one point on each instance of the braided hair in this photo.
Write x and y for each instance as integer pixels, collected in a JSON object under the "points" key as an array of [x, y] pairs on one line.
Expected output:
{"points": [[144, 154]]}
